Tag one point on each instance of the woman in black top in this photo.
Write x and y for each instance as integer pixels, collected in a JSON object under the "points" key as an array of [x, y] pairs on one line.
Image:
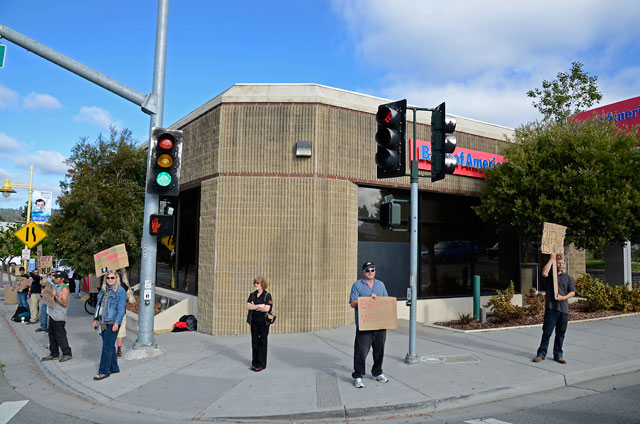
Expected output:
{"points": [[258, 304]]}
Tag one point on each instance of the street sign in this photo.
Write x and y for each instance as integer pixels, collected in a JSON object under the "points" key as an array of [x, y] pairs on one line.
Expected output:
{"points": [[3, 51], [31, 234]]}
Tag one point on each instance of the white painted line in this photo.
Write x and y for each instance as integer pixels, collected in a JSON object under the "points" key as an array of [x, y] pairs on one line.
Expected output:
{"points": [[9, 409], [486, 421]]}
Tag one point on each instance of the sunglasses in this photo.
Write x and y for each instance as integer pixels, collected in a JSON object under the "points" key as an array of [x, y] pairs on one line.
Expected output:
{"points": [[370, 270], [111, 278], [256, 284]]}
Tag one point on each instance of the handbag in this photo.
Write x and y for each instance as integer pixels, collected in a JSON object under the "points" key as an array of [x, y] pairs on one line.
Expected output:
{"points": [[269, 317]]}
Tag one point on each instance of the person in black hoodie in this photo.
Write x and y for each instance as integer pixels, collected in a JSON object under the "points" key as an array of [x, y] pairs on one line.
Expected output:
{"points": [[34, 300]]}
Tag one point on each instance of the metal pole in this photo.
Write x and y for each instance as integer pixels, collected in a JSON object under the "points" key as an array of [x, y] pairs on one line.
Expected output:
{"points": [[411, 357], [149, 242], [25, 262], [75, 67], [476, 297]]}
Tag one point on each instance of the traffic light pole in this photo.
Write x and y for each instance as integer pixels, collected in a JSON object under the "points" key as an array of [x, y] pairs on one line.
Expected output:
{"points": [[149, 243], [412, 357]]}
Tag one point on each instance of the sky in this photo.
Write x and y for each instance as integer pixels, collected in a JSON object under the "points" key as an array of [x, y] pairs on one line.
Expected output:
{"points": [[480, 57]]}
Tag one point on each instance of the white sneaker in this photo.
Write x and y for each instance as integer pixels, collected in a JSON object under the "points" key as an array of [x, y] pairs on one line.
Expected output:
{"points": [[381, 378], [358, 383]]}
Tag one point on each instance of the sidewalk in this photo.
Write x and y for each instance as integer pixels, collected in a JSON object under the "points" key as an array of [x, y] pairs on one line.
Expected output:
{"points": [[309, 374]]}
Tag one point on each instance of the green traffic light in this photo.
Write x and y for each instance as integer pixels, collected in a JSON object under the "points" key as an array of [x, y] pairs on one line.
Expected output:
{"points": [[163, 179]]}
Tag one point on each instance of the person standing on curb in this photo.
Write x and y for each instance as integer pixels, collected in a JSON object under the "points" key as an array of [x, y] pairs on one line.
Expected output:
{"points": [[367, 286], [57, 319], [108, 316], [556, 309], [34, 300]]}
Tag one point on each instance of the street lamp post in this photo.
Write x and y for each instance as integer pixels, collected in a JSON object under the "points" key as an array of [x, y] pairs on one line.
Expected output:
{"points": [[7, 189]]}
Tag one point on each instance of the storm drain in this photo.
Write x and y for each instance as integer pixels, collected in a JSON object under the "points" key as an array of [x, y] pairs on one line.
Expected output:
{"points": [[455, 359], [327, 393]]}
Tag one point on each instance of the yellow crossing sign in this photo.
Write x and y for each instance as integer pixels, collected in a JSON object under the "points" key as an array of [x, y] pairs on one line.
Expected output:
{"points": [[31, 234]]}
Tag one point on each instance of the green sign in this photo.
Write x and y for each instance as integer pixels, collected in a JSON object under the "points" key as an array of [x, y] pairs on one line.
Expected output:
{"points": [[3, 50]]}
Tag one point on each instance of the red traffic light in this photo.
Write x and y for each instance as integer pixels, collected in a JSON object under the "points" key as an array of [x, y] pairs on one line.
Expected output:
{"points": [[166, 141]]}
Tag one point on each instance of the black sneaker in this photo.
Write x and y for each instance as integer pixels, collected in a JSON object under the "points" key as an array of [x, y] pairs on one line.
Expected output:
{"points": [[119, 352], [39, 329], [50, 358], [66, 358]]}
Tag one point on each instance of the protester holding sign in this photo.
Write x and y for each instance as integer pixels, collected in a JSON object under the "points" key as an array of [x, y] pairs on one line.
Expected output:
{"points": [[367, 286], [107, 320], [22, 288], [556, 311], [57, 319]]}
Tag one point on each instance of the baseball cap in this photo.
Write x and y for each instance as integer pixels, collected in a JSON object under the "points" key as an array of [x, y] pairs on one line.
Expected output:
{"points": [[59, 274], [367, 265]]}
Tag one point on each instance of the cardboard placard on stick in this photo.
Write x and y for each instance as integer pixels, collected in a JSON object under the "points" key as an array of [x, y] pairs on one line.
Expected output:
{"points": [[553, 242], [113, 258], [380, 313], [47, 293]]}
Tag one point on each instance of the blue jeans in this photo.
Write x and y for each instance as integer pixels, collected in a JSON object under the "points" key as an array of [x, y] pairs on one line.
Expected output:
{"points": [[108, 358], [22, 299], [553, 319], [43, 316]]}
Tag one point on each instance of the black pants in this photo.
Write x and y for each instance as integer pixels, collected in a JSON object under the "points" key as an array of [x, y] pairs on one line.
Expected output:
{"points": [[259, 334], [58, 338], [365, 340]]}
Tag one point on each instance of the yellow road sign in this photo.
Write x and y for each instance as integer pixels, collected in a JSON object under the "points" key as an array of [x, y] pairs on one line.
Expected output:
{"points": [[31, 234]]}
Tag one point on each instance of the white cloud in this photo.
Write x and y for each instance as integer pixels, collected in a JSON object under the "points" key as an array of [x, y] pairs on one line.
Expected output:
{"points": [[40, 101], [485, 55], [44, 162], [8, 144], [8, 97], [97, 116]]}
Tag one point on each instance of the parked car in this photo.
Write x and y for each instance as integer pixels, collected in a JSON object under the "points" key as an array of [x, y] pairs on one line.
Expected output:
{"points": [[63, 265], [455, 251]]}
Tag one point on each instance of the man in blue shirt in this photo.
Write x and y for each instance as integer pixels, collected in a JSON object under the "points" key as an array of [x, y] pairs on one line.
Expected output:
{"points": [[367, 286]]}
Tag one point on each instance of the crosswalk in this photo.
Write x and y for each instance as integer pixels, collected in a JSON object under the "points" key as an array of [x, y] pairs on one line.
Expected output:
{"points": [[486, 421], [9, 409]]}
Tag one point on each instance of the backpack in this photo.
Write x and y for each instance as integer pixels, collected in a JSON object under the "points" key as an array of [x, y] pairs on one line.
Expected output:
{"points": [[21, 312]]}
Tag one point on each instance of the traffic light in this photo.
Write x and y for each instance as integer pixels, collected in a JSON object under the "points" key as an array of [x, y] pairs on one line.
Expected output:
{"points": [[161, 225], [166, 154], [392, 124], [390, 215], [441, 143]]}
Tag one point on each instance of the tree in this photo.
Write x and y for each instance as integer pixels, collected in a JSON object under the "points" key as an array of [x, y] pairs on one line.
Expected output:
{"points": [[584, 177], [102, 200], [571, 93], [10, 245]]}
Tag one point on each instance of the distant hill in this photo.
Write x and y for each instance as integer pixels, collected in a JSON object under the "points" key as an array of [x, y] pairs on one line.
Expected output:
{"points": [[9, 215]]}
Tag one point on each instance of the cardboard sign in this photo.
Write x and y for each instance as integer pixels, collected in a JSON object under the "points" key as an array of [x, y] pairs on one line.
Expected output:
{"points": [[380, 313], [553, 242], [553, 238], [22, 283], [46, 296], [113, 258], [46, 262]]}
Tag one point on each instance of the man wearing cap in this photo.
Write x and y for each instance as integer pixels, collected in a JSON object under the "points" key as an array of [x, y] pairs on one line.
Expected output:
{"points": [[57, 319], [367, 286]]}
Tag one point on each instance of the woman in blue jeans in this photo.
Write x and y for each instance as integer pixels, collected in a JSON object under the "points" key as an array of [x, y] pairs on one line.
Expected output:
{"points": [[107, 319]]}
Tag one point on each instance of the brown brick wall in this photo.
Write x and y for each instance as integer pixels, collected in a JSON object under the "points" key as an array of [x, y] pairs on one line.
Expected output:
{"points": [[301, 233]]}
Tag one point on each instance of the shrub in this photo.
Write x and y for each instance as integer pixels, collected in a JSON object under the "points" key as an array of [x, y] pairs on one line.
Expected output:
{"points": [[502, 307], [602, 297], [535, 302], [465, 318]]}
